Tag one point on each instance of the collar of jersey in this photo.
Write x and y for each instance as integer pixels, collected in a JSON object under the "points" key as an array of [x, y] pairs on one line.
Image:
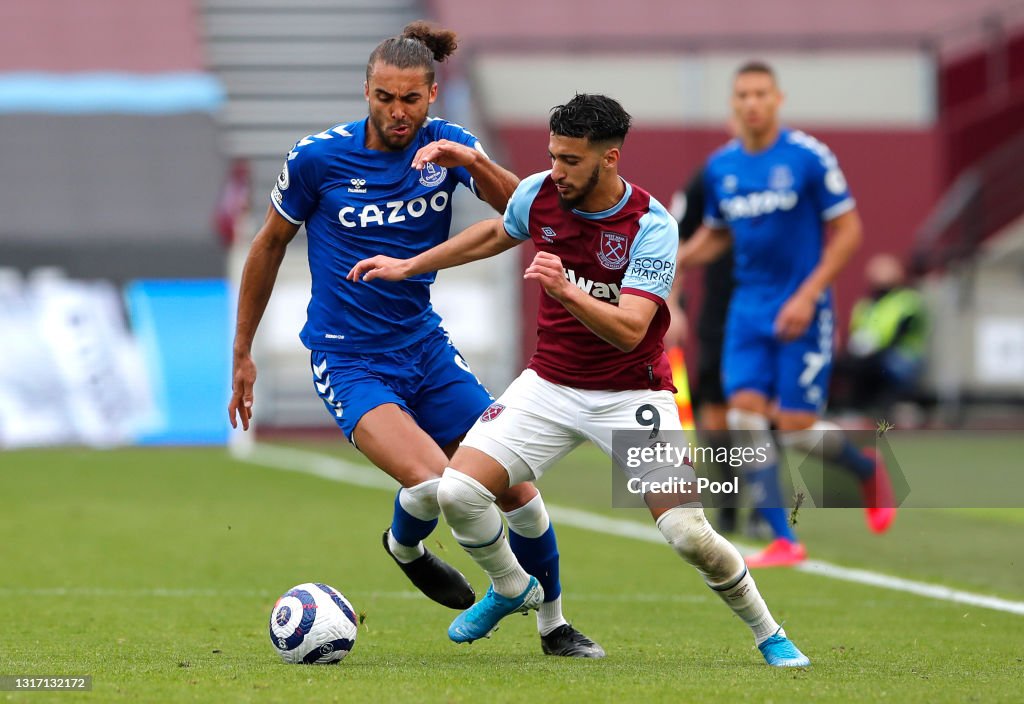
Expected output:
{"points": [[778, 140], [612, 210], [360, 134]]}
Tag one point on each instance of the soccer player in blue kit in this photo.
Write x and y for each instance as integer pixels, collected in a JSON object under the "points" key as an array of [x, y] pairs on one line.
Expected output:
{"points": [[774, 192], [605, 259], [381, 362]]}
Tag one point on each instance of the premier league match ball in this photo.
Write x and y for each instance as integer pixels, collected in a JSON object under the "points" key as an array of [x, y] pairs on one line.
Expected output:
{"points": [[313, 624]]}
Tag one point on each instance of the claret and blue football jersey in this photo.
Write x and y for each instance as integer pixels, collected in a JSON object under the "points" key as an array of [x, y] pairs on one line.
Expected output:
{"points": [[628, 249], [357, 203]]}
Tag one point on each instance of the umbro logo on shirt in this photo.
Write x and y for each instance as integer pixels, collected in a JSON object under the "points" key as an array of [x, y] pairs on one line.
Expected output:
{"points": [[358, 185], [548, 234]]}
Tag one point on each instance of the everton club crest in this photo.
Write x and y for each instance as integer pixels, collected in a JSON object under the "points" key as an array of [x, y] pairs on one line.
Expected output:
{"points": [[432, 174], [613, 250]]}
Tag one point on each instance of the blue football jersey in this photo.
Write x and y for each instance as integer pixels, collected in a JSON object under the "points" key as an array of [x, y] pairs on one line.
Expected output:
{"points": [[357, 203], [776, 203]]}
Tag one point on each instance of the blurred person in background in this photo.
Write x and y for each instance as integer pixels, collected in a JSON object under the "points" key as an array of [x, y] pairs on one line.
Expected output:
{"points": [[884, 355], [774, 193], [382, 364], [709, 400]]}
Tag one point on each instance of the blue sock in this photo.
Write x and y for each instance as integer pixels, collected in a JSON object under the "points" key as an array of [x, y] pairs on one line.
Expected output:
{"points": [[407, 529], [764, 483], [856, 462], [539, 557]]}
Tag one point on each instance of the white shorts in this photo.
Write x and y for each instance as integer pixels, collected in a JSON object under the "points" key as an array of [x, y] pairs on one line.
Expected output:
{"points": [[536, 423]]}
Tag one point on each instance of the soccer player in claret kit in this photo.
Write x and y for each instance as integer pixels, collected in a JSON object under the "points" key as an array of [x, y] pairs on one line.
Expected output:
{"points": [[774, 192], [606, 258], [381, 362]]}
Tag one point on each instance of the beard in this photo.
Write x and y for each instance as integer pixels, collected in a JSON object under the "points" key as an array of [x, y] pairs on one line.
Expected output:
{"points": [[393, 142], [588, 187]]}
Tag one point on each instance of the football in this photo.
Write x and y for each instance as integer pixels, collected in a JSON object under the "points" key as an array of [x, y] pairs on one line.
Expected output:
{"points": [[313, 624]]}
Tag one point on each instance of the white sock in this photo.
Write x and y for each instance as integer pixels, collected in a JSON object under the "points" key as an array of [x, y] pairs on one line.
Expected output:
{"points": [[742, 596], [419, 501], [688, 531], [476, 523], [549, 616], [500, 564], [721, 565], [530, 520], [404, 553]]}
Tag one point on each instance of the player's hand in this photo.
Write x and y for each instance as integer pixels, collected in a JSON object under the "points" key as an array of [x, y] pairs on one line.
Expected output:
{"points": [[379, 267], [445, 153], [547, 270], [794, 317], [243, 379]]}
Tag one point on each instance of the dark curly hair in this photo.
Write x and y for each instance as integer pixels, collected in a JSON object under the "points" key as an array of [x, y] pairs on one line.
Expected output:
{"points": [[418, 46], [598, 118]]}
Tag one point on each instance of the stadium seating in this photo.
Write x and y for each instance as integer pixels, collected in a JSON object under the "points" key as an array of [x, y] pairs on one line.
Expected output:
{"points": [[107, 121]]}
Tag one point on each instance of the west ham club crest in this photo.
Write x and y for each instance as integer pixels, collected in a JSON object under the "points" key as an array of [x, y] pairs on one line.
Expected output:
{"points": [[492, 412], [613, 250]]}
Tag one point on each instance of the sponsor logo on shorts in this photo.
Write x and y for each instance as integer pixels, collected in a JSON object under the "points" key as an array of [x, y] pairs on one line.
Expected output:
{"points": [[492, 412]]}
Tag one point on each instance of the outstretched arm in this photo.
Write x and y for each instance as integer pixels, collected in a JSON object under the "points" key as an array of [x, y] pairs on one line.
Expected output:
{"points": [[258, 279], [494, 184], [478, 241]]}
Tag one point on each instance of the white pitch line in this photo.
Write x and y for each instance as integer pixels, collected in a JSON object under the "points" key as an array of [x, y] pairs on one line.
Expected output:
{"points": [[934, 591], [336, 469]]}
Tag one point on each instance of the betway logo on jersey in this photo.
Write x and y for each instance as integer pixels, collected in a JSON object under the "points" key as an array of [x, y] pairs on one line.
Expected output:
{"points": [[597, 289], [392, 212], [753, 205]]}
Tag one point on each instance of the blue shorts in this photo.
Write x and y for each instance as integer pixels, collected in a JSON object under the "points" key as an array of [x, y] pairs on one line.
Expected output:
{"points": [[795, 374], [429, 380]]}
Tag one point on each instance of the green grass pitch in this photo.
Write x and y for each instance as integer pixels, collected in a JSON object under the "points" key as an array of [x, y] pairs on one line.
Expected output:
{"points": [[154, 571]]}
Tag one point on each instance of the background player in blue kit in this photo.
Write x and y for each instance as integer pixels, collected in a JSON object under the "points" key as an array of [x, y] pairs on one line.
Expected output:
{"points": [[776, 191], [382, 364], [708, 396]]}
